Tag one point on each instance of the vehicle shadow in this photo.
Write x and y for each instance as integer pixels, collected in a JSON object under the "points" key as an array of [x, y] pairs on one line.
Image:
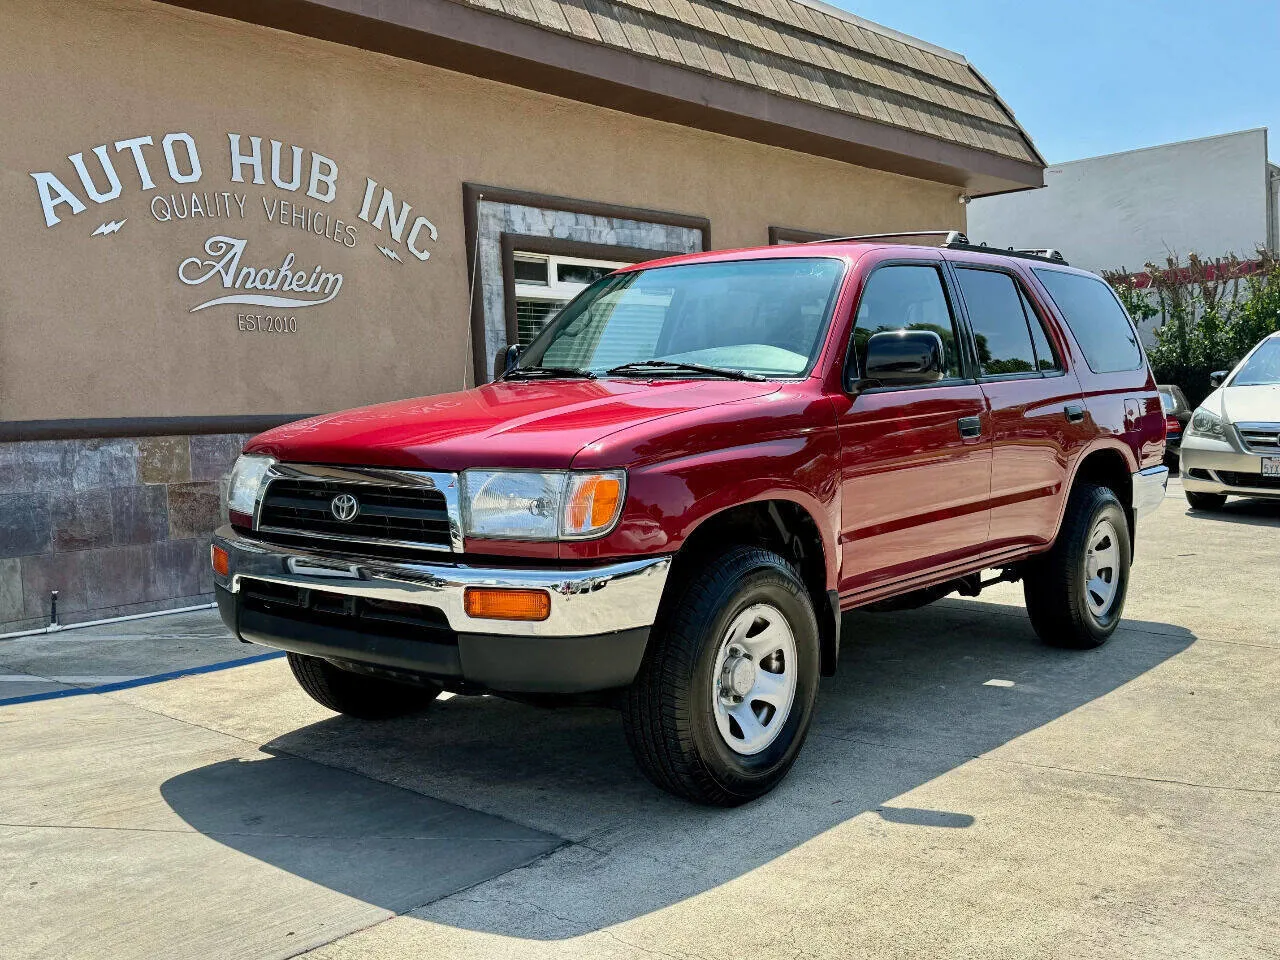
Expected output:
{"points": [[1253, 511], [911, 701]]}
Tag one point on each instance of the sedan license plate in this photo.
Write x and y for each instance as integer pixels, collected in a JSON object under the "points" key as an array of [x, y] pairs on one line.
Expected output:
{"points": [[1271, 466]]}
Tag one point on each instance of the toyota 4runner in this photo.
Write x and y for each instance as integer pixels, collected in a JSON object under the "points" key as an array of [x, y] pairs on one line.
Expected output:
{"points": [[668, 498]]}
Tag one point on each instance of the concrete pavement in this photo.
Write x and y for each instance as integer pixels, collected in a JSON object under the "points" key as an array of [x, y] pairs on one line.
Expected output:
{"points": [[1120, 802]]}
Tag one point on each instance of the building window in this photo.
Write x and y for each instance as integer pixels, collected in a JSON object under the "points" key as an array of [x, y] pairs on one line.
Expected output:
{"points": [[546, 283]]}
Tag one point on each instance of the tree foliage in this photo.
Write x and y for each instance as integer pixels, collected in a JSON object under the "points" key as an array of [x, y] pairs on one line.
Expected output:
{"points": [[1214, 312]]}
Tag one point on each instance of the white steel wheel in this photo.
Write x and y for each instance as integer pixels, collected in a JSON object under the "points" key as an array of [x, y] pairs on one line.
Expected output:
{"points": [[1076, 590], [1102, 568], [754, 680]]}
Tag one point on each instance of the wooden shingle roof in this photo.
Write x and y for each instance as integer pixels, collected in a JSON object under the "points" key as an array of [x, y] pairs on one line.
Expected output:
{"points": [[799, 49], [791, 73]]}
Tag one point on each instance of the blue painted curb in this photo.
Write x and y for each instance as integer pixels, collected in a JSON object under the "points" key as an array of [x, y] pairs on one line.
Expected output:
{"points": [[140, 681]]}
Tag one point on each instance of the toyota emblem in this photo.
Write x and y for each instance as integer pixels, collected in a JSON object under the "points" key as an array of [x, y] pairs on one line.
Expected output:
{"points": [[344, 506]]}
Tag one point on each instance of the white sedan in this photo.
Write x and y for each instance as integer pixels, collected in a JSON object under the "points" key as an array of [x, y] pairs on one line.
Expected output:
{"points": [[1232, 445]]}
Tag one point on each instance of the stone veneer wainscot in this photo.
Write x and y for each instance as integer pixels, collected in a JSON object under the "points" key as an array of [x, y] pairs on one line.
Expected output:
{"points": [[116, 526]]}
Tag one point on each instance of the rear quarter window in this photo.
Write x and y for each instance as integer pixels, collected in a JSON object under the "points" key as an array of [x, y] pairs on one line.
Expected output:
{"points": [[1100, 325]]}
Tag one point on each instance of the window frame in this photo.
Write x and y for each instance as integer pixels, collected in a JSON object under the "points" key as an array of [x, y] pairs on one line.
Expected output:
{"points": [[1021, 286], [850, 372], [561, 291]]}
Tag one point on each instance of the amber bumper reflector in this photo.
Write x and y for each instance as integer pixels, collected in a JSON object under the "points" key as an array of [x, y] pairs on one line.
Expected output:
{"points": [[221, 562], [498, 603]]}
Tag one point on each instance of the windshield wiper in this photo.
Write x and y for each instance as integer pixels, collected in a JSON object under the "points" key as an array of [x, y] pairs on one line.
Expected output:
{"points": [[647, 366], [549, 372]]}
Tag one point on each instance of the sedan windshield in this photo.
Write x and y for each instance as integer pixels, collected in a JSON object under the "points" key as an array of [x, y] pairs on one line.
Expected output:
{"points": [[1262, 368], [739, 318]]}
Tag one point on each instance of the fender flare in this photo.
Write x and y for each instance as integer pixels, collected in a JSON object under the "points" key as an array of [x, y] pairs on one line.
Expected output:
{"points": [[1097, 445]]}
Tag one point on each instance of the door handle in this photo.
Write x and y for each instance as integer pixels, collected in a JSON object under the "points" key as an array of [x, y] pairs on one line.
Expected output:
{"points": [[1074, 412], [970, 427]]}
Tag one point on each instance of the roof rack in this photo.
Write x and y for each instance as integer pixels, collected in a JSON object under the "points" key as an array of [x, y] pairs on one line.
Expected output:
{"points": [[953, 236], [955, 240], [1045, 254]]}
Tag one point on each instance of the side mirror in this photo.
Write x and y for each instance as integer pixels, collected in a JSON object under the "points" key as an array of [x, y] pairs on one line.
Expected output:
{"points": [[1216, 378], [505, 360], [898, 358]]}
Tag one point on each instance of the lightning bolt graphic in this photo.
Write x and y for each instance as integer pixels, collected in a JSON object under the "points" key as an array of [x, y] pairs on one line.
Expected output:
{"points": [[390, 254], [111, 226]]}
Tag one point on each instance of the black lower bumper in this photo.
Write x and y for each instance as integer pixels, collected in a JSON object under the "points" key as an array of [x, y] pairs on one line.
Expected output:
{"points": [[515, 664]]}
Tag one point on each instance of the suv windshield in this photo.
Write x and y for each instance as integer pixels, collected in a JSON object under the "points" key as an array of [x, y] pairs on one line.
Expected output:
{"points": [[1262, 368], [765, 318]]}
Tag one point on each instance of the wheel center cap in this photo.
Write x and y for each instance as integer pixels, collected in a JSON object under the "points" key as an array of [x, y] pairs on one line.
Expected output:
{"points": [[740, 676]]}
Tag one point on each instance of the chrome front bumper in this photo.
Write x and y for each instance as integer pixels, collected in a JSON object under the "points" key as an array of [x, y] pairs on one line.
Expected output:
{"points": [[593, 638], [605, 599], [1148, 490]]}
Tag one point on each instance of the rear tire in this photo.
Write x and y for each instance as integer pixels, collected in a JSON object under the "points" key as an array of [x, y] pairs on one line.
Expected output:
{"points": [[1075, 593], [724, 697], [1206, 501], [358, 695]]}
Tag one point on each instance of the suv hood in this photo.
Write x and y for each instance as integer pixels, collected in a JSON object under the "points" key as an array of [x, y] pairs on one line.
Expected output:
{"points": [[1255, 404], [541, 424]]}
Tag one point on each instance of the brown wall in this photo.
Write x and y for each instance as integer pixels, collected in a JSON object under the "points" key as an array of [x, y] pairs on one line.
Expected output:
{"points": [[100, 326]]}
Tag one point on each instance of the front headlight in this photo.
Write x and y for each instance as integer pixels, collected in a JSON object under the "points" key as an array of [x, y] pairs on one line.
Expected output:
{"points": [[1206, 424], [533, 505], [246, 484]]}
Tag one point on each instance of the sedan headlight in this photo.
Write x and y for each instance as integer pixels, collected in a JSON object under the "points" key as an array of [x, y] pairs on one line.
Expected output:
{"points": [[1206, 424], [535, 505], [246, 484]]}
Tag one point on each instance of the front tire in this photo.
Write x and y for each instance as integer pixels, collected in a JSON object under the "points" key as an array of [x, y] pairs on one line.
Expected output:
{"points": [[1206, 501], [724, 697], [356, 694], [1075, 593]]}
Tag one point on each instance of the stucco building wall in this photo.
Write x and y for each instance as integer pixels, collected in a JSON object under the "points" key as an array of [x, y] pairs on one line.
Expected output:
{"points": [[101, 325]]}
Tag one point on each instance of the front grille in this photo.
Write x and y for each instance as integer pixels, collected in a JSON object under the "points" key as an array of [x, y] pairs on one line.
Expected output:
{"points": [[363, 615], [1260, 437], [405, 514], [1257, 481]]}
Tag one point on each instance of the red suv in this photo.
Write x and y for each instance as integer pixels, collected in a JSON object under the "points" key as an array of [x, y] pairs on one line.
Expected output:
{"points": [[667, 499]]}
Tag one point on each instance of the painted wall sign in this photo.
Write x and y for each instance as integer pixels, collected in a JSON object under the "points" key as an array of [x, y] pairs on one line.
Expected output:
{"points": [[302, 190], [225, 265]]}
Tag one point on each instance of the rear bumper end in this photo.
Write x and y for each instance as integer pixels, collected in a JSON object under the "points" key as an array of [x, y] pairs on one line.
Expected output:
{"points": [[1148, 490], [409, 617]]}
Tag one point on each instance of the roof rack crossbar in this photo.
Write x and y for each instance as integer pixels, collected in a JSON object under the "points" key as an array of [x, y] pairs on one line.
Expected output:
{"points": [[1045, 255], [953, 236], [955, 240], [1049, 253]]}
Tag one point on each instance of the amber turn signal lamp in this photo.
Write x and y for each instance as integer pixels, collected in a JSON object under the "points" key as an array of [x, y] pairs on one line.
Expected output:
{"points": [[221, 562], [593, 503], [500, 603]]}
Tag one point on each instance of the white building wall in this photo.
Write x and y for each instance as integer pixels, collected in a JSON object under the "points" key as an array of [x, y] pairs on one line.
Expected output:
{"points": [[1209, 196]]}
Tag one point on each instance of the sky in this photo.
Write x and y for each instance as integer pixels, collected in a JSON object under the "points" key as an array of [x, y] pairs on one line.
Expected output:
{"points": [[1086, 78]]}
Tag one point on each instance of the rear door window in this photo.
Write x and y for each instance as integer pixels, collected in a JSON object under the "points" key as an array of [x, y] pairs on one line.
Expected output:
{"points": [[906, 297], [1046, 356], [1000, 329], [1100, 325]]}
